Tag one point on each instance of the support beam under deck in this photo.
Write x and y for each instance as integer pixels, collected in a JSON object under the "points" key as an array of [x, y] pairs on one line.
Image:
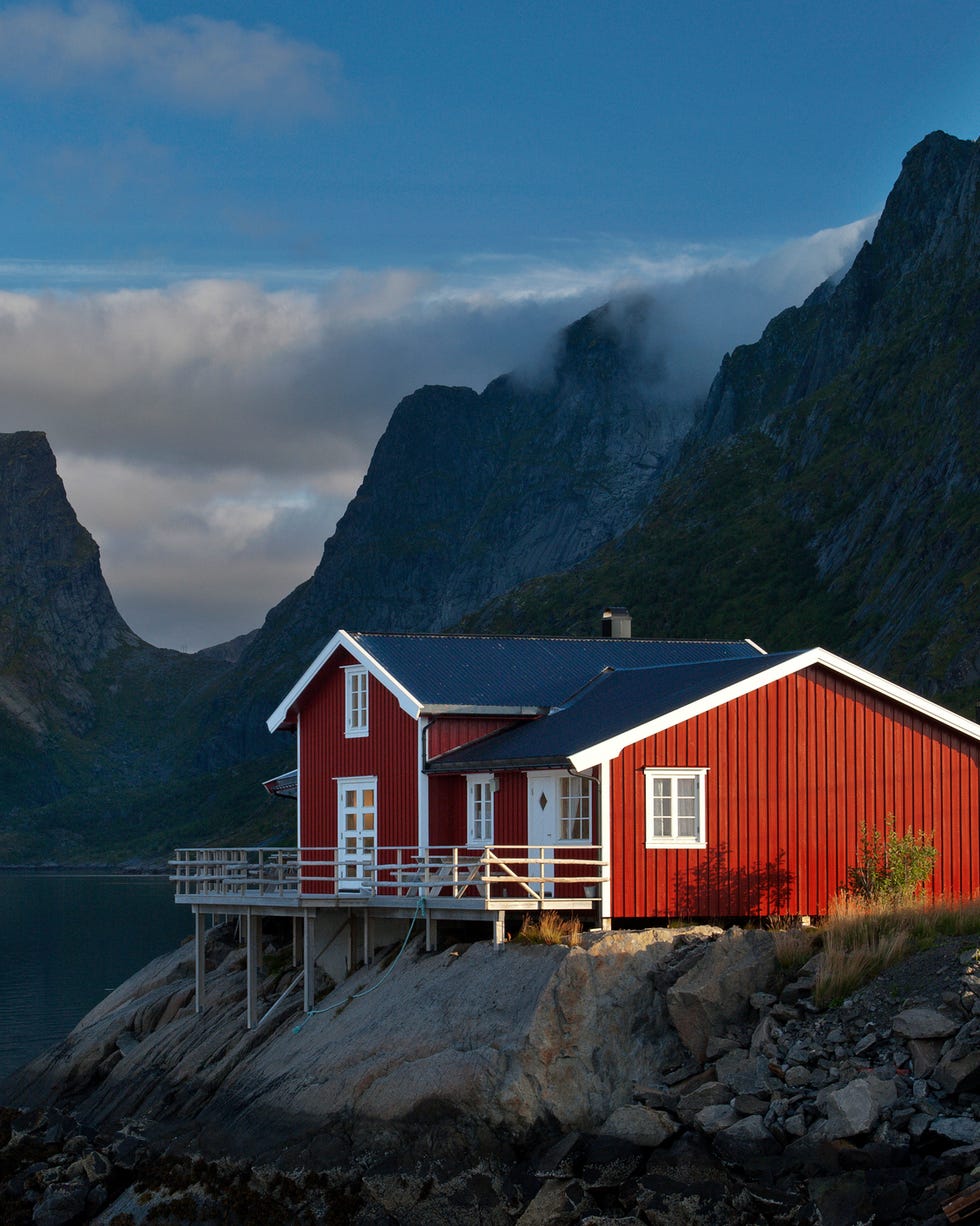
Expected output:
{"points": [[253, 954]]}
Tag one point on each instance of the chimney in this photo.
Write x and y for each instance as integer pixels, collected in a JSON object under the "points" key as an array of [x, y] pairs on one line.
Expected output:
{"points": [[616, 623]]}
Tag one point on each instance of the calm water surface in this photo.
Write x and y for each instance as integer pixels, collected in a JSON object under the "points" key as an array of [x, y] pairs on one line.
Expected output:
{"points": [[66, 941]]}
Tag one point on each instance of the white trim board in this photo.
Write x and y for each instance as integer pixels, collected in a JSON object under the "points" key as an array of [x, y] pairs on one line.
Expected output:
{"points": [[408, 702], [613, 746]]}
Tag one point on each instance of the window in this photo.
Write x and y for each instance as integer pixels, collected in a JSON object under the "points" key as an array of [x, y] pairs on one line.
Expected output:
{"points": [[574, 809], [356, 704], [479, 809], [675, 807]]}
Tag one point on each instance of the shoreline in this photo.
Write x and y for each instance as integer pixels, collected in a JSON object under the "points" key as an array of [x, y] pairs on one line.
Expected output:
{"points": [[89, 870]]}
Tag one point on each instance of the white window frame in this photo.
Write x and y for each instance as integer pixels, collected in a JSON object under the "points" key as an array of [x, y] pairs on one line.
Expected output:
{"points": [[675, 773], [355, 700], [583, 787], [480, 791]]}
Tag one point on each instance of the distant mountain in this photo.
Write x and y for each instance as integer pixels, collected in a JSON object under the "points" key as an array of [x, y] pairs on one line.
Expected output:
{"points": [[826, 491], [87, 709], [830, 489]]}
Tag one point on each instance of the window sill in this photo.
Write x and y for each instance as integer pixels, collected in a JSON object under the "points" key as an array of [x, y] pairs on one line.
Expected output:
{"points": [[677, 845]]}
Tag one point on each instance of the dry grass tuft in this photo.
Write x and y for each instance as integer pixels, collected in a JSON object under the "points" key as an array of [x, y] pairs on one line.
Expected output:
{"points": [[859, 940], [550, 928]]}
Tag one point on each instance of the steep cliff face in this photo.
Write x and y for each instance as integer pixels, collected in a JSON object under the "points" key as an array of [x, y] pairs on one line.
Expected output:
{"points": [[57, 618], [831, 489], [86, 707]]}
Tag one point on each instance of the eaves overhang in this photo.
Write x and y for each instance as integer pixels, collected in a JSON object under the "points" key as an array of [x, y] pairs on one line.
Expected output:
{"points": [[464, 767], [605, 751], [434, 709]]}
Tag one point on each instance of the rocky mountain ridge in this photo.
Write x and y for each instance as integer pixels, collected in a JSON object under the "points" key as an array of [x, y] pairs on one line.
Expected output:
{"points": [[830, 491]]}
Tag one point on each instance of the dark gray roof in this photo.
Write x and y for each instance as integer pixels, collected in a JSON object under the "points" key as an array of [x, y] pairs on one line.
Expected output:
{"points": [[614, 703], [518, 671]]}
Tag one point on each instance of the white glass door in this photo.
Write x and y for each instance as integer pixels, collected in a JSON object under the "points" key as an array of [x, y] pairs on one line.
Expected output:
{"points": [[357, 842]]}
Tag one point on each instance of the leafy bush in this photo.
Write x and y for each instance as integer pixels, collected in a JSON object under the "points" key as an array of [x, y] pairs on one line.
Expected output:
{"points": [[891, 868]]}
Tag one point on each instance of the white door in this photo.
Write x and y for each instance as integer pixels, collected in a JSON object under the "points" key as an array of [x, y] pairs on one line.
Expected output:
{"points": [[542, 826], [356, 843]]}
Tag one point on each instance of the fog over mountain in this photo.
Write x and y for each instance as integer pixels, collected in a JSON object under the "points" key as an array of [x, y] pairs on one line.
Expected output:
{"points": [[211, 433]]}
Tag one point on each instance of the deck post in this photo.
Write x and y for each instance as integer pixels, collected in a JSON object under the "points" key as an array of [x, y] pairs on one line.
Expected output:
{"points": [[499, 930], [430, 932], [297, 940], [198, 960], [366, 938], [253, 952], [309, 960]]}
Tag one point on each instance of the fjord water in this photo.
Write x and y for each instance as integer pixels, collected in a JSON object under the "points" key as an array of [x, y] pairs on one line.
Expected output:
{"points": [[68, 940]]}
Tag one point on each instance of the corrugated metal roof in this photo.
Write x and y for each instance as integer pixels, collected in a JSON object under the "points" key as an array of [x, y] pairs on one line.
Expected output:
{"points": [[613, 704], [517, 671]]}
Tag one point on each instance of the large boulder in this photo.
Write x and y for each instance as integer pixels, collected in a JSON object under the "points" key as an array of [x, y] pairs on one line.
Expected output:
{"points": [[715, 994]]}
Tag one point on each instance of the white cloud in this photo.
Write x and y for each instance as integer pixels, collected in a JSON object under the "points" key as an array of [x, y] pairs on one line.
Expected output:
{"points": [[195, 62], [210, 432]]}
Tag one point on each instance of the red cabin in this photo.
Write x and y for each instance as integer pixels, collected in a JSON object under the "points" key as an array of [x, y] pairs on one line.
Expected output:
{"points": [[627, 779]]}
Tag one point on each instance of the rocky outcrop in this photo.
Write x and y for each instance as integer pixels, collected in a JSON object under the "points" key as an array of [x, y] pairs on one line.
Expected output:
{"points": [[552, 1088]]}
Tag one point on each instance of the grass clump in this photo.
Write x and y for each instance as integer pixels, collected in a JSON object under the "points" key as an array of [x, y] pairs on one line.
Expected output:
{"points": [[549, 928], [860, 940]]}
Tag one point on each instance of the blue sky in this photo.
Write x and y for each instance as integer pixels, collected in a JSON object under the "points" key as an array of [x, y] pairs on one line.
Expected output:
{"points": [[232, 236]]}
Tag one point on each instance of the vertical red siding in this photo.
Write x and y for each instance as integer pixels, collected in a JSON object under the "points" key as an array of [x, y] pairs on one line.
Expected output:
{"points": [[389, 752], [450, 731], [794, 769]]}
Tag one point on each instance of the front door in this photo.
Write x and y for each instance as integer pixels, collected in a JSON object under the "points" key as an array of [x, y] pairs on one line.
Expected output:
{"points": [[356, 844], [542, 827]]}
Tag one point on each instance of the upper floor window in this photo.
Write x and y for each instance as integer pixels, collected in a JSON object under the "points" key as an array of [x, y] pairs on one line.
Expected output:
{"points": [[574, 809], [479, 809], [356, 701], [675, 807]]}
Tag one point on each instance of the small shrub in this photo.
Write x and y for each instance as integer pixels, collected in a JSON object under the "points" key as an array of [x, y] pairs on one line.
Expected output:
{"points": [[891, 868]]}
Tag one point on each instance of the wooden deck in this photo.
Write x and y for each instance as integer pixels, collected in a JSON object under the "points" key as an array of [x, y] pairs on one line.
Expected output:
{"points": [[389, 883], [488, 879]]}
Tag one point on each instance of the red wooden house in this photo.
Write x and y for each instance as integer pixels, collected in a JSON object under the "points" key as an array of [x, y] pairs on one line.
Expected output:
{"points": [[632, 779]]}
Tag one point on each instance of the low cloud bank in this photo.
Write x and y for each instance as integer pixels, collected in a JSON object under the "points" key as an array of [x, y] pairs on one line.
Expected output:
{"points": [[210, 433]]}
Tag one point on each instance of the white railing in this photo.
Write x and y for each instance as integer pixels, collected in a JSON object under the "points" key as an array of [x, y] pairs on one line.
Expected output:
{"points": [[534, 874]]}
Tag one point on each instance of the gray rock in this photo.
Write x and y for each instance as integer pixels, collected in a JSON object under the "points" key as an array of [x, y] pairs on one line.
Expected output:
{"points": [[745, 1141], [711, 1094], [712, 1120], [924, 1024], [745, 1074], [924, 1054], [856, 1108], [958, 1076], [751, 1104], [963, 1129], [640, 1126], [798, 1076], [61, 1203], [841, 1200]]}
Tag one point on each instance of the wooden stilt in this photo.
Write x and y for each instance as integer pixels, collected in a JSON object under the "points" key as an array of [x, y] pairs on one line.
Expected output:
{"points": [[368, 951], [253, 955], [430, 932], [309, 965], [499, 930], [297, 940], [198, 959]]}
